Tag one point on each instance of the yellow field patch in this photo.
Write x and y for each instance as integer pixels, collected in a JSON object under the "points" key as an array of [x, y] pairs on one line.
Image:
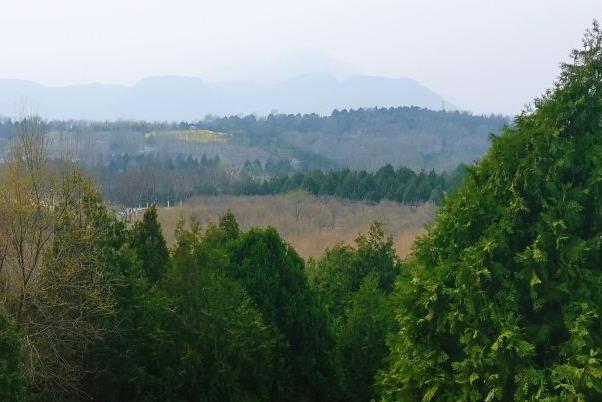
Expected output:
{"points": [[191, 135]]}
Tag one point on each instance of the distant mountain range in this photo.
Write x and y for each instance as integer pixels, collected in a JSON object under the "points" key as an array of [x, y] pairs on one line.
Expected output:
{"points": [[175, 98]]}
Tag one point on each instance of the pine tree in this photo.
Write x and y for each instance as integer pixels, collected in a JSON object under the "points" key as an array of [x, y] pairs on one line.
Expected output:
{"points": [[501, 299], [148, 241], [229, 226]]}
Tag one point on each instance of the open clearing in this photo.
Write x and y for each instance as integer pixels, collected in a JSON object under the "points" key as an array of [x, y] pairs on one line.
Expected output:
{"points": [[309, 223]]}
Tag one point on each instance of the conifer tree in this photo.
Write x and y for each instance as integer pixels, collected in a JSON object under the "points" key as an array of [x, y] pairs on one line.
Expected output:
{"points": [[273, 275], [502, 298], [229, 226], [148, 241], [354, 284]]}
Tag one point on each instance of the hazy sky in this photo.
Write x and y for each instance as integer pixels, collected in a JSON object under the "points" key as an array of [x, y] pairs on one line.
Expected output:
{"points": [[485, 56]]}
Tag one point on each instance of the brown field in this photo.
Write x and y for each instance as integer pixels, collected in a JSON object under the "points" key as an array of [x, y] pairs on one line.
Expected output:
{"points": [[309, 223]]}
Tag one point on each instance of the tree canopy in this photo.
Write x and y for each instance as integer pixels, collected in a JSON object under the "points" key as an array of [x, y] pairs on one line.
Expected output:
{"points": [[501, 299]]}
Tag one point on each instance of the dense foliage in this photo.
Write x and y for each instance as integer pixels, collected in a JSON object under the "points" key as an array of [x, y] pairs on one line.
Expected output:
{"points": [[354, 284], [141, 179], [98, 309], [401, 185], [148, 240], [502, 299], [274, 277]]}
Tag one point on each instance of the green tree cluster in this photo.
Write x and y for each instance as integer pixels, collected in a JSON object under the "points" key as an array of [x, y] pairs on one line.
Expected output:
{"points": [[111, 313], [125, 181], [354, 284], [401, 185]]}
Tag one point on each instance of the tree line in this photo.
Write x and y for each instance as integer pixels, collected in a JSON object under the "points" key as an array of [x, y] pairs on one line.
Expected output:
{"points": [[359, 139], [140, 179], [401, 185]]}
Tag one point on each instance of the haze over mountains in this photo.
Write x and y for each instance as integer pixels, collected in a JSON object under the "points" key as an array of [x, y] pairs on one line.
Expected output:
{"points": [[175, 98]]}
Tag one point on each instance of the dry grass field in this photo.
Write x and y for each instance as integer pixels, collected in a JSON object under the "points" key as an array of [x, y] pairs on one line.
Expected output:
{"points": [[309, 223]]}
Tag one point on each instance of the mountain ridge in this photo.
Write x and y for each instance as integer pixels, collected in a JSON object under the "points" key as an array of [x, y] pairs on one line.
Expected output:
{"points": [[179, 97]]}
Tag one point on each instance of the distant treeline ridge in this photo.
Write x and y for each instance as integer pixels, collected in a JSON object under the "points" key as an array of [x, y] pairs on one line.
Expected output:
{"points": [[134, 180]]}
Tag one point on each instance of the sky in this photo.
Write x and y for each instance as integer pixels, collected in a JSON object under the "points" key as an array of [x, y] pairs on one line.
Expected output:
{"points": [[482, 55]]}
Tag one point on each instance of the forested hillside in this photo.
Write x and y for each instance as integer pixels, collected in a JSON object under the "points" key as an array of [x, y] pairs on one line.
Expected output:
{"points": [[400, 154], [370, 138], [360, 139], [135, 163]]}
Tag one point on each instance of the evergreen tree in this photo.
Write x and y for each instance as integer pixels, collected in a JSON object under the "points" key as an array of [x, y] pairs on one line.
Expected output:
{"points": [[229, 226], [342, 269], [501, 299], [149, 243], [354, 285], [173, 333], [273, 275], [361, 333], [225, 350]]}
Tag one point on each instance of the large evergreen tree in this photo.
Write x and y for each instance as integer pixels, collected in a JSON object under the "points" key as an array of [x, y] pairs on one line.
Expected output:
{"points": [[502, 298]]}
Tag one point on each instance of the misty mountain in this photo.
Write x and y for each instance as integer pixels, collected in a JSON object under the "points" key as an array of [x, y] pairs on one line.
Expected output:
{"points": [[292, 64], [188, 98]]}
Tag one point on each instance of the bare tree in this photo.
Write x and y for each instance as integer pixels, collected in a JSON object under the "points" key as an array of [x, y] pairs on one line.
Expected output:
{"points": [[52, 278], [29, 192]]}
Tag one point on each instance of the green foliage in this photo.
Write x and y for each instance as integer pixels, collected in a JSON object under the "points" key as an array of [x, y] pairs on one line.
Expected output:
{"points": [[502, 297], [273, 275], [354, 285], [196, 335], [142, 329], [12, 376], [401, 185], [361, 332], [223, 342], [229, 226], [342, 269], [150, 245]]}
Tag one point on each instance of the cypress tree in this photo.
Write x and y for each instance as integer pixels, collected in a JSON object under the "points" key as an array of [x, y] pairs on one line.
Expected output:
{"points": [[149, 243], [501, 299]]}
